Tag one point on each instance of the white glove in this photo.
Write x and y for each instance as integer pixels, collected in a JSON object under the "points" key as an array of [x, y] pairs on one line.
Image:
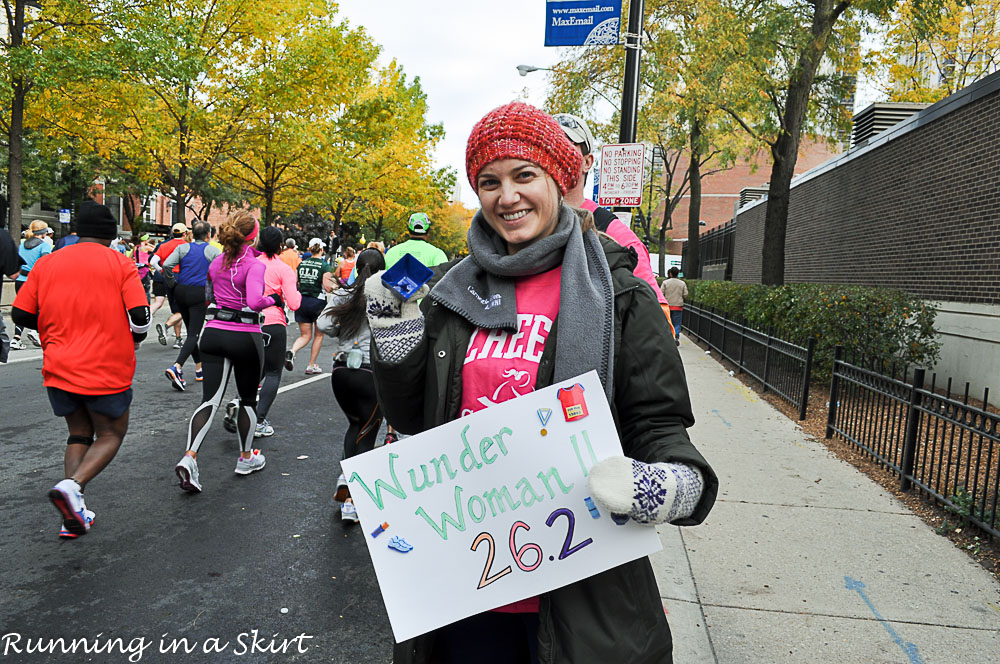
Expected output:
{"points": [[648, 493], [397, 325]]}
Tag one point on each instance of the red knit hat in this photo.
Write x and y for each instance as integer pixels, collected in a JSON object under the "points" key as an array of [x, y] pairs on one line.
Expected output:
{"points": [[521, 131]]}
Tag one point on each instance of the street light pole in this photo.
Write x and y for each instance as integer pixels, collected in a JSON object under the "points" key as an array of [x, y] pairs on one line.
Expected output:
{"points": [[630, 89]]}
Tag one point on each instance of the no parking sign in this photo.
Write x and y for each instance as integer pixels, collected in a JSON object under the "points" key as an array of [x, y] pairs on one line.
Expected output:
{"points": [[622, 166]]}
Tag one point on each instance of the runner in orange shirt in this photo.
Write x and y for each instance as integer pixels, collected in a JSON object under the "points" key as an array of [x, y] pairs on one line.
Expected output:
{"points": [[89, 344]]}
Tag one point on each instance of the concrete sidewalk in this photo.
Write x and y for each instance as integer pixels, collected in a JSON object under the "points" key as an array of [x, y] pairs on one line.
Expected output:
{"points": [[804, 559]]}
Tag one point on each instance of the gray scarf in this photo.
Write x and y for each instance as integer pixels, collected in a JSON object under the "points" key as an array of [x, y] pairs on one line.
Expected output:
{"points": [[481, 290]]}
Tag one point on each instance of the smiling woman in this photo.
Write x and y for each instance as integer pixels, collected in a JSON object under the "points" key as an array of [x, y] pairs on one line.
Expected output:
{"points": [[543, 298]]}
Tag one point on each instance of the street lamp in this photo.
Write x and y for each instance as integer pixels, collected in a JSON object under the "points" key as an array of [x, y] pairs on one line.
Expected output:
{"points": [[524, 70]]}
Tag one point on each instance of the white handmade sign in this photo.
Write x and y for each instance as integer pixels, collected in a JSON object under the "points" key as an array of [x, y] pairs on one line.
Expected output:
{"points": [[492, 508]]}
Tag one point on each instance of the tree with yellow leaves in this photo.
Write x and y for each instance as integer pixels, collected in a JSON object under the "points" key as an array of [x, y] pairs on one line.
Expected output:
{"points": [[376, 168], [926, 57], [176, 85], [307, 80]]}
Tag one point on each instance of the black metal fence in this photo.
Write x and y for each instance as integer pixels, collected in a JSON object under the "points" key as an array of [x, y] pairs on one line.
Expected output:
{"points": [[715, 249], [780, 366], [947, 448]]}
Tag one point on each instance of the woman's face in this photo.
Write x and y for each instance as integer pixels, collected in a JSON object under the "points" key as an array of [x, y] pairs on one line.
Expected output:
{"points": [[520, 201]]}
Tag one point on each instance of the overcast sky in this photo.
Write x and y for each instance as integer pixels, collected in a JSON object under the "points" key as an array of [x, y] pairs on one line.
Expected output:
{"points": [[465, 53]]}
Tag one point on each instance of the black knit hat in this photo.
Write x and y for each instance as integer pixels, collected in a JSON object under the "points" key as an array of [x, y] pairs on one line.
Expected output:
{"points": [[95, 220]]}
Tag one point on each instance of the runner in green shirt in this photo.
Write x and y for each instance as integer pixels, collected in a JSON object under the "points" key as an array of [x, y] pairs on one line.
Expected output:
{"points": [[315, 280], [417, 246]]}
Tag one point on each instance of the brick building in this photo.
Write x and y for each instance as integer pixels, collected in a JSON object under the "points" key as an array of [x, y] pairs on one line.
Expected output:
{"points": [[916, 207], [720, 191]]}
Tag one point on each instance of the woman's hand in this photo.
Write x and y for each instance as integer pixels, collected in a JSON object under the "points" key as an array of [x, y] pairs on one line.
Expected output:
{"points": [[648, 493]]}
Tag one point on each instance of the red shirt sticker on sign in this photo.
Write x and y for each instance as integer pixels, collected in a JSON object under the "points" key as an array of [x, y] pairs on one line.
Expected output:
{"points": [[573, 404]]}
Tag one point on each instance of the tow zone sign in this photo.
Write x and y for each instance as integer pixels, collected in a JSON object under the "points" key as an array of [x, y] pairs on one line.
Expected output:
{"points": [[622, 166]]}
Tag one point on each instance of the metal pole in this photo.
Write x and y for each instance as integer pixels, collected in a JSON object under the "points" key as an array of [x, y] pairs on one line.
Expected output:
{"points": [[630, 89], [806, 378], [910, 435], [831, 416]]}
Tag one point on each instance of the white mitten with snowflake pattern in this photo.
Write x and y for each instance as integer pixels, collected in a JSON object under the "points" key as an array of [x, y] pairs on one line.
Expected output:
{"points": [[648, 493]]}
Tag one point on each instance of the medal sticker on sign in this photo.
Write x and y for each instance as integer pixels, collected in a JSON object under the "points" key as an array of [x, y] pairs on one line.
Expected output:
{"points": [[406, 277], [543, 416], [573, 404]]}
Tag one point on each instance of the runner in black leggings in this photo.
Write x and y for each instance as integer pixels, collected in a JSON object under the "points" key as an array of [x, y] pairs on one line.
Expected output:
{"points": [[352, 380], [231, 343], [281, 279], [189, 293]]}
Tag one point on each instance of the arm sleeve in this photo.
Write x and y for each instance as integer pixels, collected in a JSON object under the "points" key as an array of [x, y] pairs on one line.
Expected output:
{"points": [[652, 399], [24, 319], [134, 300], [138, 322], [212, 252], [255, 288], [626, 237]]}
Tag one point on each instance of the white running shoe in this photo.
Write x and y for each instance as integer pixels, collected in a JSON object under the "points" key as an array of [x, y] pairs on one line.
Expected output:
{"points": [[33, 337], [88, 516], [17, 344], [264, 429], [161, 334], [187, 474], [253, 464], [178, 343], [68, 499], [348, 513]]}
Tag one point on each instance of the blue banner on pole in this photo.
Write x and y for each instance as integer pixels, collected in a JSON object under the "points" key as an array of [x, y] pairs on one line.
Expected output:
{"points": [[582, 22]]}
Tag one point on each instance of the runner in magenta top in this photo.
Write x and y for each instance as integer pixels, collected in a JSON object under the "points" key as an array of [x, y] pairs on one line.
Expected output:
{"points": [[231, 343]]}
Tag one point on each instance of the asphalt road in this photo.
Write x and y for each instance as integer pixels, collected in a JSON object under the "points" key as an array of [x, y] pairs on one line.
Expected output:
{"points": [[265, 552]]}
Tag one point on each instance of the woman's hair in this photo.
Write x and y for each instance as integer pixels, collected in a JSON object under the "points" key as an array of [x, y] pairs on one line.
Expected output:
{"points": [[233, 235], [270, 241], [349, 252], [352, 312], [34, 227], [315, 249], [375, 244]]}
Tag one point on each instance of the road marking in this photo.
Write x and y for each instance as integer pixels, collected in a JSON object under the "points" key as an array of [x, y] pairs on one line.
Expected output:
{"points": [[25, 359], [312, 379], [908, 648], [722, 418]]}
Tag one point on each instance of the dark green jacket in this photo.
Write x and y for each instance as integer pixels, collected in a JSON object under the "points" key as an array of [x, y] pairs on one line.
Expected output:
{"points": [[615, 616]]}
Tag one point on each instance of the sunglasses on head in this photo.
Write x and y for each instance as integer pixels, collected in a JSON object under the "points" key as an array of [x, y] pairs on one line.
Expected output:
{"points": [[568, 121]]}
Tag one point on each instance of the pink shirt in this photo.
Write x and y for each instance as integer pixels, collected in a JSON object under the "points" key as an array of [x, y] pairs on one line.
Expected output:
{"points": [[624, 236], [501, 365], [279, 278]]}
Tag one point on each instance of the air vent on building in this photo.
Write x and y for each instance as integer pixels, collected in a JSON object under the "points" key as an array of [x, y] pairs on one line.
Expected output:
{"points": [[750, 194], [876, 118]]}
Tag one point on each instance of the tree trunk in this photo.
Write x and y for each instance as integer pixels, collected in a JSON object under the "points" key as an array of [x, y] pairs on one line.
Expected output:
{"points": [[785, 151], [15, 135], [693, 263]]}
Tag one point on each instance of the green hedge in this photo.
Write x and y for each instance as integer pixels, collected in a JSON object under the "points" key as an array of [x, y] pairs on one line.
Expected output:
{"points": [[879, 322]]}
